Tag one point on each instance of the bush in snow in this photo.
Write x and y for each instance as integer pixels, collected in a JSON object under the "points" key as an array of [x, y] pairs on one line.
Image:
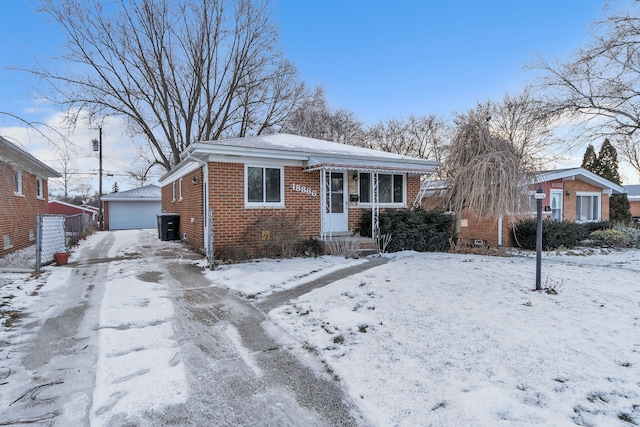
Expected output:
{"points": [[418, 230], [609, 238]]}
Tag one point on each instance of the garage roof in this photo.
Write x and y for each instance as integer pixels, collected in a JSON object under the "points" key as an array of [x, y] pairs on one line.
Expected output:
{"points": [[150, 193]]}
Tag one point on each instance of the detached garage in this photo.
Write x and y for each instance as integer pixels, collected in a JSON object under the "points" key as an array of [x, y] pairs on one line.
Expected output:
{"points": [[132, 209]]}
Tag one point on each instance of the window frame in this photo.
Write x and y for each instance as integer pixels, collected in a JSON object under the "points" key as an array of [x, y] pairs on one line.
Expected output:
{"points": [[18, 184], [180, 190], [264, 203], [39, 188], [392, 204], [173, 192], [597, 197]]}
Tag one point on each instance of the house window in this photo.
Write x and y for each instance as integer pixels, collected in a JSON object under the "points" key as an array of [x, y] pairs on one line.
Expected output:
{"points": [[587, 207], [173, 191], [17, 183], [264, 186], [390, 188], [180, 190], [39, 188]]}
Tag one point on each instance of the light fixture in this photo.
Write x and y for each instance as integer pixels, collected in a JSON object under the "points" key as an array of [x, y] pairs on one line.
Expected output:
{"points": [[355, 176], [195, 180], [568, 193]]}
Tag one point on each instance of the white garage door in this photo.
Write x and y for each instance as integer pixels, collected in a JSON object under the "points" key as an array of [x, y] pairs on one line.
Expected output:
{"points": [[133, 215]]}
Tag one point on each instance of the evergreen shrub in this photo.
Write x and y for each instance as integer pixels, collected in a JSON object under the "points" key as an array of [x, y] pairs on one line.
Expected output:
{"points": [[418, 230], [554, 234], [609, 238]]}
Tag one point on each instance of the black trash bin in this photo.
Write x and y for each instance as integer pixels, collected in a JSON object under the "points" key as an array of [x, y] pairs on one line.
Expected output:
{"points": [[168, 226]]}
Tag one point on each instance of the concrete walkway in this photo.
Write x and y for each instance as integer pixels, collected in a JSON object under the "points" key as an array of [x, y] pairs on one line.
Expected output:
{"points": [[238, 374]]}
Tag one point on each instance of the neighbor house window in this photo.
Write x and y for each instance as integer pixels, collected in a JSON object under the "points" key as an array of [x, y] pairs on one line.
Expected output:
{"points": [[173, 191], [264, 186], [39, 188], [17, 183], [587, 207], [390, 188], [180, 190]]}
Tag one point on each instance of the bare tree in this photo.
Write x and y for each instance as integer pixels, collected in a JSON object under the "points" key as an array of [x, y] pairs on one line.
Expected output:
{"points": [[315, 119], [179, 70], [487, 171], [419, 136], [599, 88], [527, 124], [68, 182]]}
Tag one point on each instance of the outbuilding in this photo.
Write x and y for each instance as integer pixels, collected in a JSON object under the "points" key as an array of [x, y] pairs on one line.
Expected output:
{"points": [[132, 209]]}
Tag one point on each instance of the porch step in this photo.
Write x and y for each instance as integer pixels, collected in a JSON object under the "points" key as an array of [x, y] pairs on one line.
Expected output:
{"points": [[350, 246]]}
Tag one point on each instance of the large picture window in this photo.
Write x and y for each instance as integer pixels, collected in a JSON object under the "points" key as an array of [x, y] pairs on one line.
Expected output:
{"points": [[587, 207], [264, 186], [390, 188]]}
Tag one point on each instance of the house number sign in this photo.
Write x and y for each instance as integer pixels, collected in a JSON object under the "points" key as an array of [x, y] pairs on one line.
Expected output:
{"points": [[303, 189]]}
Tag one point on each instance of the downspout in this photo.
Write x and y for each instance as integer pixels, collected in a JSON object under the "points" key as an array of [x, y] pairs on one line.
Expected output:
{"points": [[500, 231], [207, 237]]}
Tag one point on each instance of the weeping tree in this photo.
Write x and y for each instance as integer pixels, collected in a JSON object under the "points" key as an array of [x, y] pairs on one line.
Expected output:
{"points": [[179, 71], [494, 153], [488, 172]]}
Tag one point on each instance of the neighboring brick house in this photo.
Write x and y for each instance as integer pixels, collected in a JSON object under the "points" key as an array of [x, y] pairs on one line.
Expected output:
{"points": [[571, 195], [23, 195], [633, 194], [238, 193]]}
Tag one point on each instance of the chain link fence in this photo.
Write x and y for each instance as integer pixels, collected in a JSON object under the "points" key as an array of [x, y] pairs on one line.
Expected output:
{"points": [[57, 233]]}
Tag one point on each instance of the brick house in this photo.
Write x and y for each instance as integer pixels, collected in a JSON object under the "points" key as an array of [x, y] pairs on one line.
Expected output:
{"points": [[23, 195], [238, 194], [633, 194], [570, 195]]}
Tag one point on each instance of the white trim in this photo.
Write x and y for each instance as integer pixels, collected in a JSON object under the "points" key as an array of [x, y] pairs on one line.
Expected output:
{"points": [[40, 187], [263, 204], [18, 176], [370, 204], [180, 189], [173, 192], [599, 210]]}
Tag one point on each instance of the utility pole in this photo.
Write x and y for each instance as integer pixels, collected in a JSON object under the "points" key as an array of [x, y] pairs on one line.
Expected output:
{"points": [[97, 146]]}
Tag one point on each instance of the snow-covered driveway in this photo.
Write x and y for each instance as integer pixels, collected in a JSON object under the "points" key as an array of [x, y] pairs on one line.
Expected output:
{"points": [[132, 333]]}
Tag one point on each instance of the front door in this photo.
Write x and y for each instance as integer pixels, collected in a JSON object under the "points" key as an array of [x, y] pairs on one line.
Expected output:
{"points": [[556, 205], [336, 215]]}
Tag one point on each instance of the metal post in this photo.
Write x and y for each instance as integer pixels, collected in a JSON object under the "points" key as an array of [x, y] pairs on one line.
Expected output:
{"points": [[539, 195], [100, 189], [38, 242]]}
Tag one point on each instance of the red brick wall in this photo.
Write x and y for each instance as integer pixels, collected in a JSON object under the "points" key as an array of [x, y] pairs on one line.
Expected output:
{"points": [[18, 213], [238, 231], [569, 202], [635, 208], [189, 208]]}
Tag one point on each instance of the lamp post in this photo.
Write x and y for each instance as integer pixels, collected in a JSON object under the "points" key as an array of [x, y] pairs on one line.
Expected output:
{"points": [[539, 195], [97, 146]]}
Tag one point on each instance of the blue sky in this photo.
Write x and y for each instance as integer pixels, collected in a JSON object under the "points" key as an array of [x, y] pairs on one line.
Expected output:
{"points": [[379, 59]]}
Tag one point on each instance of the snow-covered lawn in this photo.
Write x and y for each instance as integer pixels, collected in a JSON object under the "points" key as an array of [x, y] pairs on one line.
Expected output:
{"points": [[450, 340], [426, 339]]}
